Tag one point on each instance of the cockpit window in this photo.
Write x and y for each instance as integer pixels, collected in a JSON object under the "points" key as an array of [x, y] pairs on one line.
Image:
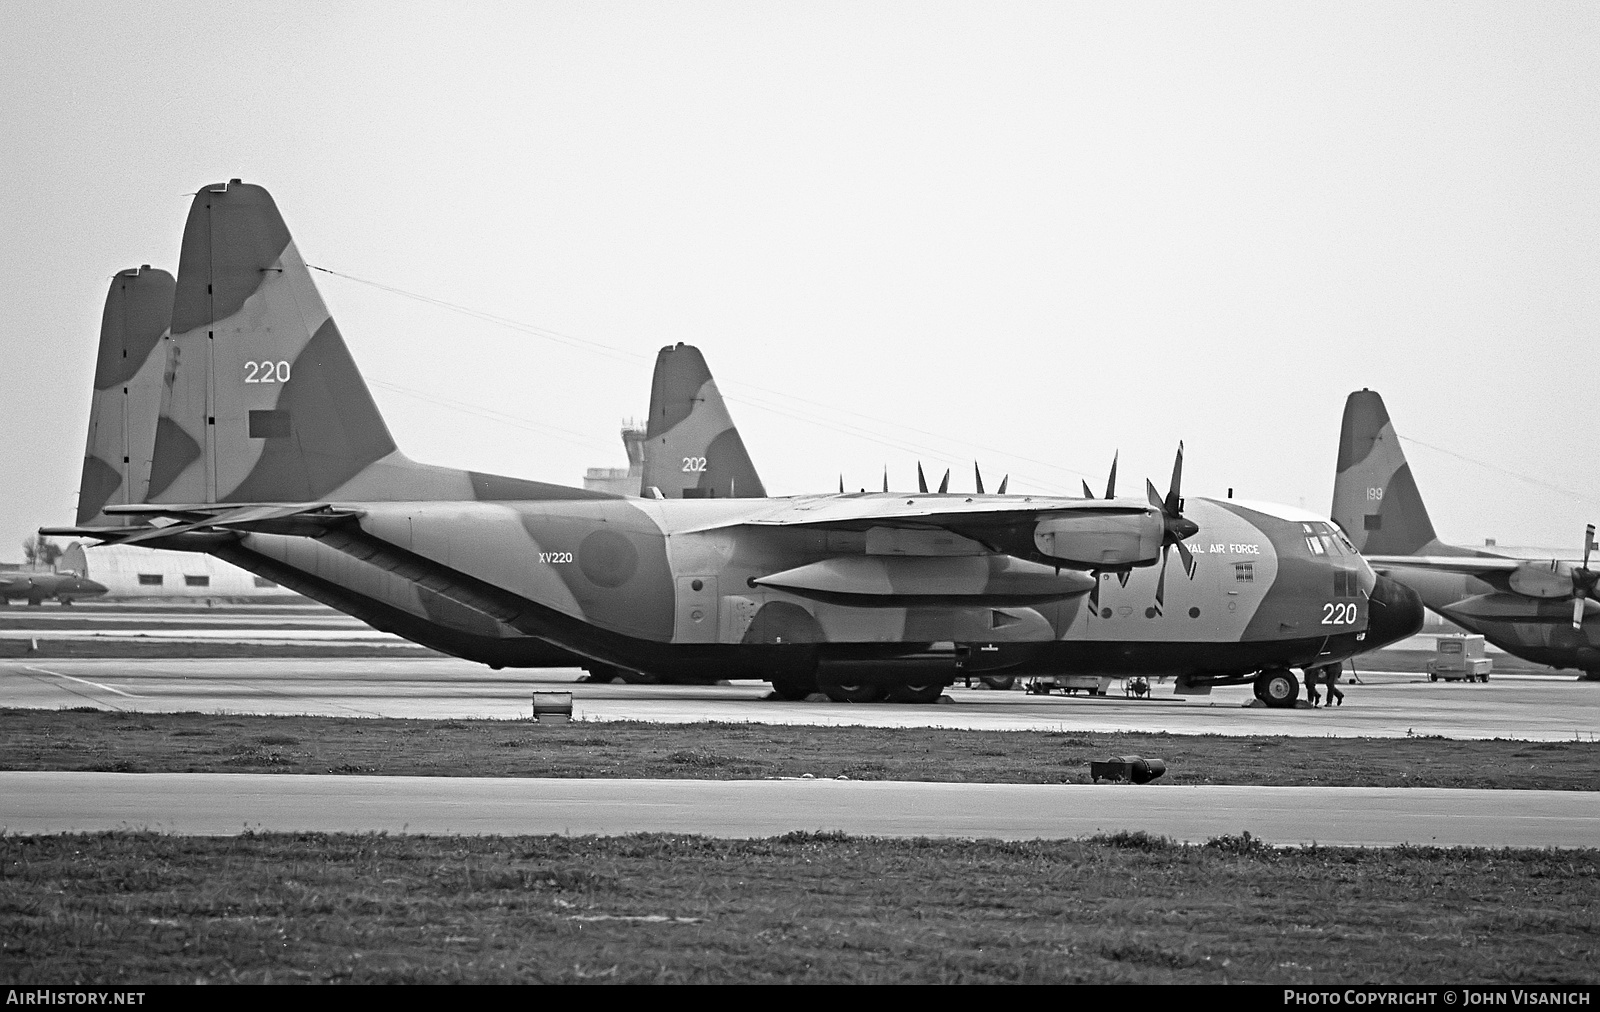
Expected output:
{"points": [[1326, 540]]}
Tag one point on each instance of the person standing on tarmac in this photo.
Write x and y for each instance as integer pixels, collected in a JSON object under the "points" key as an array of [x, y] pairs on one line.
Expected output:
{"points": [[1312, 676], [1330, 678]]}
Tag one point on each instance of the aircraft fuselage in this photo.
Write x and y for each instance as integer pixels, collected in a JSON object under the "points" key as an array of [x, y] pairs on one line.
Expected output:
{"points": [[678, 587]]}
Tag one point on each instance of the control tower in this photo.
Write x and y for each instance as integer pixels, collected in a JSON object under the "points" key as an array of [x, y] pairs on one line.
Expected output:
{"points": [[621, 480]]}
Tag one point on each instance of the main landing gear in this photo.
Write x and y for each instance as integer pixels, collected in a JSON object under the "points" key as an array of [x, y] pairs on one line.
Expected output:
{"points": [[1278, 687], [858, 691], [850, 692]]}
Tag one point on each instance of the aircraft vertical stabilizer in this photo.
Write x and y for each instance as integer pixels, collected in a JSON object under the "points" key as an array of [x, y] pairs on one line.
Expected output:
{"points": [[1375, 498], [692, 448], [263, 401], [127, 393]]}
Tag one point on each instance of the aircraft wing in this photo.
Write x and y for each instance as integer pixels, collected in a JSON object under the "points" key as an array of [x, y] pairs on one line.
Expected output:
{"points": [[1086, 533], [857, 512], [1470, 565]]}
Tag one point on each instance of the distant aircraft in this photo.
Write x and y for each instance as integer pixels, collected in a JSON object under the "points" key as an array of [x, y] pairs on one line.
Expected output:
{"points": [[1540, 609], [65, 587], [267, 429]]}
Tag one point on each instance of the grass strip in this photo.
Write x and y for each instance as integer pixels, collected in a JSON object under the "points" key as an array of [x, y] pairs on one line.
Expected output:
{"points": [[137, 908], [206, 743]]}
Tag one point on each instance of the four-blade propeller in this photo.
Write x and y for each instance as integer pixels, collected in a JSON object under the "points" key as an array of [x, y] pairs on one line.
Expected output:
{"points": [[1176, 526], [1584, 579]]}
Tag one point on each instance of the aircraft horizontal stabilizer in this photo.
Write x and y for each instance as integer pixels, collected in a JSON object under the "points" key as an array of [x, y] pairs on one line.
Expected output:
{"points": [[306, 519], [99, 533]]}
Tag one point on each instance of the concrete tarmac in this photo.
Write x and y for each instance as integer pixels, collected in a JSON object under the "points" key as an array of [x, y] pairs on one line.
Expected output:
{"points": [[1531, 708], [226, 804]]}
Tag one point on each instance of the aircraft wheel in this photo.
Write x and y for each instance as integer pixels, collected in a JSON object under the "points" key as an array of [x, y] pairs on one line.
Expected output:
{"points": [[792, 691], [998, 681], [1278, 688], [34, 602], [855, 692], [66, 602], [929, 693], [638, 677]]}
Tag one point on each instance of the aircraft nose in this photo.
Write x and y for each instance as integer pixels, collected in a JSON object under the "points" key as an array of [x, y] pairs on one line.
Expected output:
{"points": [[91, 587], [1394, 612]]}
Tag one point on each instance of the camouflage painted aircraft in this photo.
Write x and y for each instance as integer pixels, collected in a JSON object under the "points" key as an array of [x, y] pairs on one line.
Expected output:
{"points": [[65, 587], [268, 431], [1541, 609], [688, 420]]}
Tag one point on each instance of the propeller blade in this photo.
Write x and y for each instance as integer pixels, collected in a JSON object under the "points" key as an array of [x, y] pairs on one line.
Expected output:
{"points": [[1111, 482], [1187, 557], [1577, 613], [1174, 503], [944, 486], [886, 477], [1088, 493], [1584, 579], [977, 476], [1154, 496], [1002, 489], [922, 482], [841, 484], [1161, 582]]}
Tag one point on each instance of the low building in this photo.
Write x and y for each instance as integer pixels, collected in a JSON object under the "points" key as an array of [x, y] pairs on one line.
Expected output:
{"points": [[128, 571]]}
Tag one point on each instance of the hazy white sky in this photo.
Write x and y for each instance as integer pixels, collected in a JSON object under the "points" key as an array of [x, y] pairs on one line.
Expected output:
{"points": [[1027, 233]]}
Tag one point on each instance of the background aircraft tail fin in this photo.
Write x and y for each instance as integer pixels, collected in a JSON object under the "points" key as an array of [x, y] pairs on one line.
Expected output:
{"points": [[127, 394], [1375, 498], [262, 400], [692, 448]]}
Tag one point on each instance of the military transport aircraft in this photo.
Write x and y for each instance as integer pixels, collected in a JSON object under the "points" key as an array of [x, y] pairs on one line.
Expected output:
{"points": [[1541, 609], [65, 587], [267, 429]]}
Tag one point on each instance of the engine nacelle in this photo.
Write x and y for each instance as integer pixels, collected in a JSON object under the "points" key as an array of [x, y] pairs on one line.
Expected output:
{"points": [[1096, 539], [1542, 579]]}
